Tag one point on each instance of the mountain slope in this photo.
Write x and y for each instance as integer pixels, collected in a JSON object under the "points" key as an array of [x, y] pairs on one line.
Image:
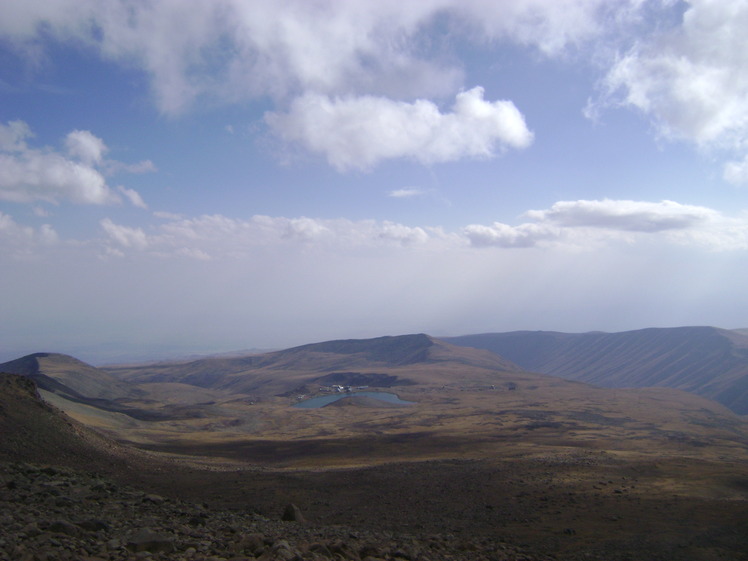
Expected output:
{"points": [[707, 361], [395, 359], [68, 376], [33, 431]]}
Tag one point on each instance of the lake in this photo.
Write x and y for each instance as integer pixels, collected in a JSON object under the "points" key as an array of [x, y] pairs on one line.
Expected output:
{"points": [[322, 400]]}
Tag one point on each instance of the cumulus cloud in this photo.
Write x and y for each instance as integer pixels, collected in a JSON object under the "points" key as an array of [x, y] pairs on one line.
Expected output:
{"points": [[360, 132], [125, 236], [551, 27], [235, 49], [30, 174], [305, 229], [405, 235], [633, 216], [18, 240], [504, 235], [692, 79], [323, 63], [572, 225], [86, 147], [13, 136], [39, 176], [587, 224], [218, 236]]}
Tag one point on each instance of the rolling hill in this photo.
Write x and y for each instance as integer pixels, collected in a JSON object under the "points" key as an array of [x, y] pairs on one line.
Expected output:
{"points": [[486, 452], [379, 362], [69, 377], [75, 386], [707, 361]]}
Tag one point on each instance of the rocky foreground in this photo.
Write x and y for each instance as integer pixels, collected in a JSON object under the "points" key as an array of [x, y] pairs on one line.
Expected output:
{"points": [[58, 514]]}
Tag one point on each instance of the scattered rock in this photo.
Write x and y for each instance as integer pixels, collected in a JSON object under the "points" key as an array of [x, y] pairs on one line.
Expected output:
{"points": [[62, 527], [148, 540], [130, 525], [292, 513], [155, 499], [93, 525]]}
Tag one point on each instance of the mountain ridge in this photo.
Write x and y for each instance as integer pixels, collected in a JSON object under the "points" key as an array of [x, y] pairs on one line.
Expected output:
{"points": [[266, 372], [66, 375], [707, 361]]}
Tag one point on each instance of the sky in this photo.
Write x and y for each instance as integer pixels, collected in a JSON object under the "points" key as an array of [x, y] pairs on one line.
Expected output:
{"points": [[183, 178]]}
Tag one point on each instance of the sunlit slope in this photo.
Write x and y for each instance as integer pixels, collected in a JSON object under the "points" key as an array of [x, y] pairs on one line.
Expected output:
{"points": [[65, 375], [707, 361], [379, 362]]}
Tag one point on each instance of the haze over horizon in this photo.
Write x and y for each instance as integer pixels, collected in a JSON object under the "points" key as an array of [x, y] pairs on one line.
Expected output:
{"points": [[252, 175]]}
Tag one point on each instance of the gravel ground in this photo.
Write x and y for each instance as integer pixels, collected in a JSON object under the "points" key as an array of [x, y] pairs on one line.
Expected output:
{"points": [[57, 514]]}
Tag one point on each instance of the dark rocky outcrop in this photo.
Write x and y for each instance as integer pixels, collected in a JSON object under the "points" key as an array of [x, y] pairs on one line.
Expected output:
{"points": [[292, 513]]}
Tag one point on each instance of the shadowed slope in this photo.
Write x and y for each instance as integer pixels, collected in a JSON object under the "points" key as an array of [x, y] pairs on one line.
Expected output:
{"points": [[33, 431], [706, 361]]}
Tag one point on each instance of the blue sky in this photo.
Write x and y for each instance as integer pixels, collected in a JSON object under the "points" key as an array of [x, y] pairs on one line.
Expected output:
{"points": [[259, 175]]}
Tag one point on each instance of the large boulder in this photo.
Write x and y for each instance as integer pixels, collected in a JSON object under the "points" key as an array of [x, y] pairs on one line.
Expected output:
{"points": [[292, 513]]}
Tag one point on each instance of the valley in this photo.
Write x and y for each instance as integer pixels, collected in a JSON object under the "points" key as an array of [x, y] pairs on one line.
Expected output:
{"points": [[486, 461]]}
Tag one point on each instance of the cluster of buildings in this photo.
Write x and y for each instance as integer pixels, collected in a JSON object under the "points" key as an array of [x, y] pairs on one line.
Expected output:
{"points": [[335, 388]]}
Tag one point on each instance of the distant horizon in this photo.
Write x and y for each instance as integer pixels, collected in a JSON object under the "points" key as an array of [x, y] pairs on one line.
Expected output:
{"points": [[264, 174], [98, 357]]}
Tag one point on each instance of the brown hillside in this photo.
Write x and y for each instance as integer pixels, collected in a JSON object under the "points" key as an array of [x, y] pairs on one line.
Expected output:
{"points": [[706, 361], [65, 375], [410, 358], [33, 431]]}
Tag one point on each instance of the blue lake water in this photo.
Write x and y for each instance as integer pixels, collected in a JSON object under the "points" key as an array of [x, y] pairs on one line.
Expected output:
{"points": [[322, 400]]}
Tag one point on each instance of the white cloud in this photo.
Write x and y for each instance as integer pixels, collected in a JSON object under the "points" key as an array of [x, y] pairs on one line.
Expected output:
{"points": [[737, 172], [113, 167], [192, 253], [234, 49], [566, 225], [360, 132], [590, 224], [634, 216], [200, 279], [133, 196], [38, 176], [48, 235], [10, 229], [305, 229], [550, 26], [405, 235], [19, 240], [125, 236], [85, 147], [13, 136], [167, 215], [406, 193], [217, 236], [503, 235], [30, 174], [692, 79]]}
